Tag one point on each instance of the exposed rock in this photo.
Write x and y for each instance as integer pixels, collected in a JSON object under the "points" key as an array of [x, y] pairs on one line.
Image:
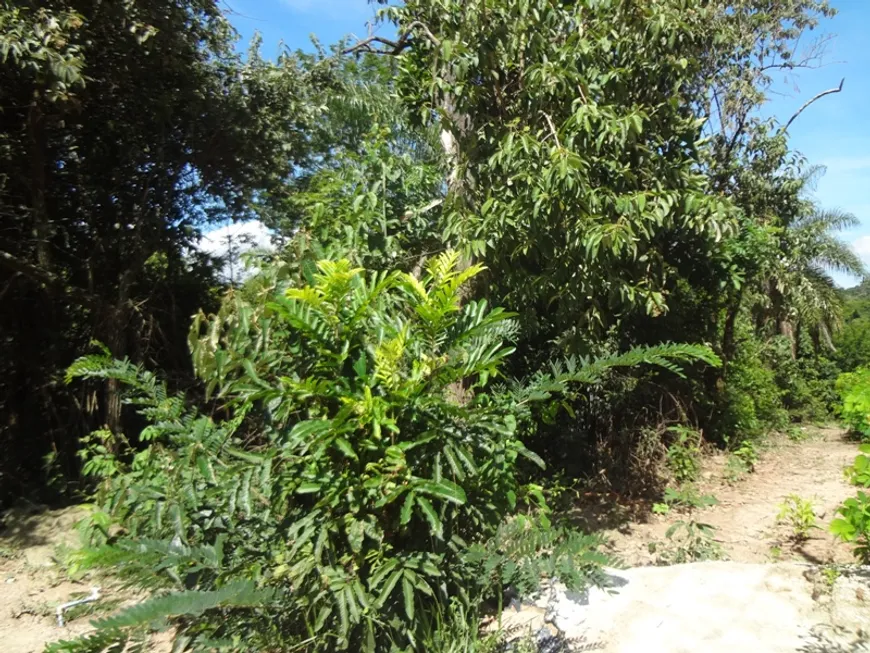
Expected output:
{"points": [[714, 607]]}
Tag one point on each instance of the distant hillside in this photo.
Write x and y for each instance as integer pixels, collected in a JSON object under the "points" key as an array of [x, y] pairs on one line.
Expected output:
{"points": [[861, 291]]}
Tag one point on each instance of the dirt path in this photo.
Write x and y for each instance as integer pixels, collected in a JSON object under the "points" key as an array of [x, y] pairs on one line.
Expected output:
{"points": [[745, 517], [33, 583]]}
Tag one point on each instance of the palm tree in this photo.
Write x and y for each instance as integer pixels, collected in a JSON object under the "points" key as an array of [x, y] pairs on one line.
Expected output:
{"points": [[799, 290]]}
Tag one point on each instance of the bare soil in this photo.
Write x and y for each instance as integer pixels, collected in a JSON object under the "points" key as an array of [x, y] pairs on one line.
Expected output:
{"points": [[745, 518], [33, 582]]}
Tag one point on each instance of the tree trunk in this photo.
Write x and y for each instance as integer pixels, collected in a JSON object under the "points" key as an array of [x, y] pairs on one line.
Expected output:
{"points": [[41, 226], [787, 329], [118, 316], [729, 345]]}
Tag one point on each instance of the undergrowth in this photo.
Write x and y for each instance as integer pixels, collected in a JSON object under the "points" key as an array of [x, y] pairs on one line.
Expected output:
{"points": [[353, 490]]}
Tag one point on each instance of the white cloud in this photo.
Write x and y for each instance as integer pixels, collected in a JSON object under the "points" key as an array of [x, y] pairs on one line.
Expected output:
{"points": [[232, 240], [861, 246], [847, 164]]}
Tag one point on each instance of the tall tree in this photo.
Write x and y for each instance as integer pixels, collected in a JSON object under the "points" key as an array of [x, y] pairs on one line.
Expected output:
{"points": [[125, 127]]}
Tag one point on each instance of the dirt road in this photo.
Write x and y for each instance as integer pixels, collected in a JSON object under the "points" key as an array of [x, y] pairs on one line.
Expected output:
{"points": [[745, 517]]}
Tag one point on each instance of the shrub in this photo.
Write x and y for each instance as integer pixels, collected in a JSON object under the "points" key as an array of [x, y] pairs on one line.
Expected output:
{"points": [[684, 454], [853, 525], [747, 453], [798, 515], [858, 472], [351, 470], [806, 381], [687, 498], [751, 402], [687, 541], [854, 390], [735, 469], [358, 465]]}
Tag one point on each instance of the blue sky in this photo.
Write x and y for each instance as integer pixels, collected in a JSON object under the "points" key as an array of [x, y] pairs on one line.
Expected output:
{"points": [[832, 132], [293, 21]]}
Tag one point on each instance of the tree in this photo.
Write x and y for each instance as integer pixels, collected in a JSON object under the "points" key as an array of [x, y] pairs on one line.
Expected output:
{"points": [[371, 188], [569, 168], [126, 126]]}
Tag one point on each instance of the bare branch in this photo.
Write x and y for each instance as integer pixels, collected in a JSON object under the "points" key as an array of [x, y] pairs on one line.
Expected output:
{"points": [[366, 45], [809, 102], [394, 47], [432, 38], [553, 129]]}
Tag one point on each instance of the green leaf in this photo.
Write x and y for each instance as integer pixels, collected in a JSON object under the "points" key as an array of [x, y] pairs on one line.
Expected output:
{"points": [[242, 593], [389, 585], [843, 529], [531, 455], [356, 535], [308, 429], [444, 489], [407, 506], [344, 447], [431, 516], [408, 593]]}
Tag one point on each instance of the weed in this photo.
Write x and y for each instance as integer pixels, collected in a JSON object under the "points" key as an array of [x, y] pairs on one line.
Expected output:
{"points": [[747, 453], [775, 553], [798, 515], [830, 574], [735, 469], [687, 541], [687, 498], [684, 454], [661, 508]]}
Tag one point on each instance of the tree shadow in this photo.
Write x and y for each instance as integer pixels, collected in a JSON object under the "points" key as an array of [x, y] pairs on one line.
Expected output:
{"points": [[818, 642], [546, 642], [28, 525], [806, 555], [606, 511]]}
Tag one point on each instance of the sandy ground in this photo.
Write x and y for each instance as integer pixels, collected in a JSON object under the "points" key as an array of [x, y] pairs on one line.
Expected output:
{"points": [[745, 517], [33, 583], [769, 594]]}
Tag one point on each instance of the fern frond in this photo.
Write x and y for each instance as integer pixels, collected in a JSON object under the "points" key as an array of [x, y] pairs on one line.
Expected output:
{"points": [[238, 594], [102, 641], [666, 356]]}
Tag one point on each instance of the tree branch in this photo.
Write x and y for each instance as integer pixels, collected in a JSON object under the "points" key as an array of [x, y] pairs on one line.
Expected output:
{"points": [[395, 47], [809, 102], [46, 279]]}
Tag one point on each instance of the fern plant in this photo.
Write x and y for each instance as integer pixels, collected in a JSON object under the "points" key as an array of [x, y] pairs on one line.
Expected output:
{"points": [[361, 457]]}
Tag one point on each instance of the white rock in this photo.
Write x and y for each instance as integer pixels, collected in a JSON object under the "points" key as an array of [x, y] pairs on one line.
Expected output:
{"points": [[714, 607]]}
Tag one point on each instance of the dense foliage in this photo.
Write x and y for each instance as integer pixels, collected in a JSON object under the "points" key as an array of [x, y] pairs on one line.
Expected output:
{"points": [[125, 128], [363, 466], [854, 389]]}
